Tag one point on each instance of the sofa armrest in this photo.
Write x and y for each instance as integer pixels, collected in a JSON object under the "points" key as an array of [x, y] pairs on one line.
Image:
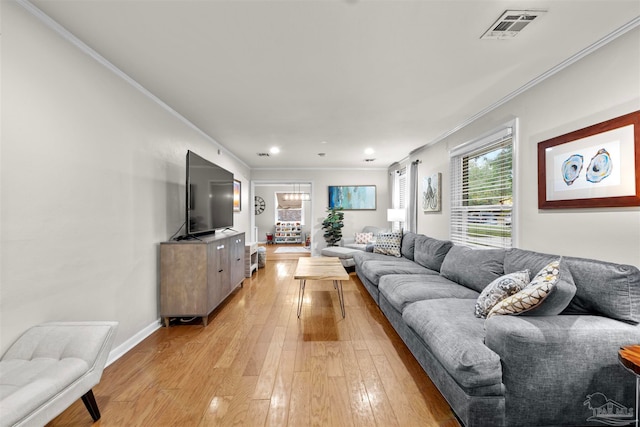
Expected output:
{"points": [[557, 362], [347, 241]]}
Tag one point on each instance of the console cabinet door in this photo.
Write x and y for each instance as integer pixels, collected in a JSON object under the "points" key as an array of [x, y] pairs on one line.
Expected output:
{"points": [[214, 290], [183, 280], [236, 260], [223, 281]]}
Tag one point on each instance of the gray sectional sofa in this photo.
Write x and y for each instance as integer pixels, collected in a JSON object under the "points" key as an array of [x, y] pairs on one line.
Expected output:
{"points": [[551, 366]]}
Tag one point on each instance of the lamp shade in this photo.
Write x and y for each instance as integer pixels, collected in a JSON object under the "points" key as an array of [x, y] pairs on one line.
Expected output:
{"points": [[396, 215]]}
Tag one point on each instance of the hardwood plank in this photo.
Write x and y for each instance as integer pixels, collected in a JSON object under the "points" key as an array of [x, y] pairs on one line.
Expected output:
{"points": [[339, 407], [360, 405], [319, 415], [270, 366], [300, 404], [282, 389], [257, 414], [382, 410]]}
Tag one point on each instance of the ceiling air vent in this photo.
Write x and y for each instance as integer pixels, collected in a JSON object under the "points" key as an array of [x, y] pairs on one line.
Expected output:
{"points": [[263, 154], [511, 23]]}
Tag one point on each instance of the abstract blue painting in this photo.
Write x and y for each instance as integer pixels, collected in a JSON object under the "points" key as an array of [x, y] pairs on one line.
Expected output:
{"points": [[352, 197]]}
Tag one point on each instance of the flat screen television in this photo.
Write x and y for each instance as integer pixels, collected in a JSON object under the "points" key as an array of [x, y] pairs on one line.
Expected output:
{"points": [[209, 196]]}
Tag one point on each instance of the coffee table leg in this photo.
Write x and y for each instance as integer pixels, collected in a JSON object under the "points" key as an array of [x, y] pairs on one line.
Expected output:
{"points": [[300, 296], [338, 285]]}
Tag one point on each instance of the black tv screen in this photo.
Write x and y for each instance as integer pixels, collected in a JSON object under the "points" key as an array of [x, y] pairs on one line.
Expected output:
{"points": [[209, 196]]}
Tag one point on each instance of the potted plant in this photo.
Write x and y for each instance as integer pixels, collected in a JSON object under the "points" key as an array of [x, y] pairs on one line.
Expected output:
{"points": [[332, 226]]}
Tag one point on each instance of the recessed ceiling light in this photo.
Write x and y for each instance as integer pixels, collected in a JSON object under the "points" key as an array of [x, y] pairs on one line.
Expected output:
{"points": [[274, 150], [323, 142], [369, 151]]}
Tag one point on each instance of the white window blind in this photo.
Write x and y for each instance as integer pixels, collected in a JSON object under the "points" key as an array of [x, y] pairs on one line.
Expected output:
{"points": [[402, 189], [289, 210], [400, 192], [482, 192]]}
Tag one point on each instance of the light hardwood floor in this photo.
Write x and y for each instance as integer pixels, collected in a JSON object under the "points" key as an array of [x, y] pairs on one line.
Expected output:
{"points": [[257, 364]]}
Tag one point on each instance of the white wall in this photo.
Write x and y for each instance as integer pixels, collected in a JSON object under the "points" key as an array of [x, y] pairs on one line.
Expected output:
{"points": [[601, 86], [321, 179], [92, 180]]}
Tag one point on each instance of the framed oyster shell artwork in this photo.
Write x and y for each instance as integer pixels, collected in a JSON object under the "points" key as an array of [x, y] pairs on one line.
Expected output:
{"points": [[597, 166]]}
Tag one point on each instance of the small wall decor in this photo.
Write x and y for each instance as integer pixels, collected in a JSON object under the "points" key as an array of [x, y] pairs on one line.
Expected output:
{"points": [[597, 166], [352, 197], [259, 205], [237, 199], [432, 193]]}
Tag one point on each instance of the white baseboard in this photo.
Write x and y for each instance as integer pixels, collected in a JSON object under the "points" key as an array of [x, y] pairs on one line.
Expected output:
{"points": [[123, 348]]}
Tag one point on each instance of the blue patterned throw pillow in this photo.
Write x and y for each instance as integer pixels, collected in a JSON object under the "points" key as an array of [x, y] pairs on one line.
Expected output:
{"points": [[388, 243]]}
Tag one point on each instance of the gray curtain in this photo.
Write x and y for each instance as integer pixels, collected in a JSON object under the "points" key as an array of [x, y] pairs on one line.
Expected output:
{"points": [[412, 200]]}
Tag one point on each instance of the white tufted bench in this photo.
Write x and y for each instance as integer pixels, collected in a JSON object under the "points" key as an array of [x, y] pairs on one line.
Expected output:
{"points": [[49, 367]]}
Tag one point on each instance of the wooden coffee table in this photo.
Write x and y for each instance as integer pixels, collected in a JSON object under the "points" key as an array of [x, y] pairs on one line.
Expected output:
{"points": [[320, 268]]}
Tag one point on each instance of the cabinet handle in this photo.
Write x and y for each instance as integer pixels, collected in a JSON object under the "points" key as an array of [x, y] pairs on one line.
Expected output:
{"points": [[220, 247], [220, 271]]}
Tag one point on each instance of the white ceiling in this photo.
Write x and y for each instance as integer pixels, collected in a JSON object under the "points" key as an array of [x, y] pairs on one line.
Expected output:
{"points": [[332, 76]]}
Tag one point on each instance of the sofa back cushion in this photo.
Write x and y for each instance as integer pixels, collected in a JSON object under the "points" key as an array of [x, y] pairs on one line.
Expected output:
{"points": [[430, 252], [564, 290], [408, 245], [473, 268], [605, 288]]}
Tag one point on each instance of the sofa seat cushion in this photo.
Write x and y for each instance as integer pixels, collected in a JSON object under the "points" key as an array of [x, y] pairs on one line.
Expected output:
{"points": [[356, 246], [403, 289], [455, 337], [373, 270]]}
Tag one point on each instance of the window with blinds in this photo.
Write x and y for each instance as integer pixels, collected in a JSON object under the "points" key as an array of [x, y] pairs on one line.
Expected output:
{"points": [[400, 193], [402, 189], [482, 192], [288, 210]]}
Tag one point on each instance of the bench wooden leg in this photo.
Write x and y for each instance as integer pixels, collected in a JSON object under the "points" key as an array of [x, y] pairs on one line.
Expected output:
{"points": [[90, 402]]}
